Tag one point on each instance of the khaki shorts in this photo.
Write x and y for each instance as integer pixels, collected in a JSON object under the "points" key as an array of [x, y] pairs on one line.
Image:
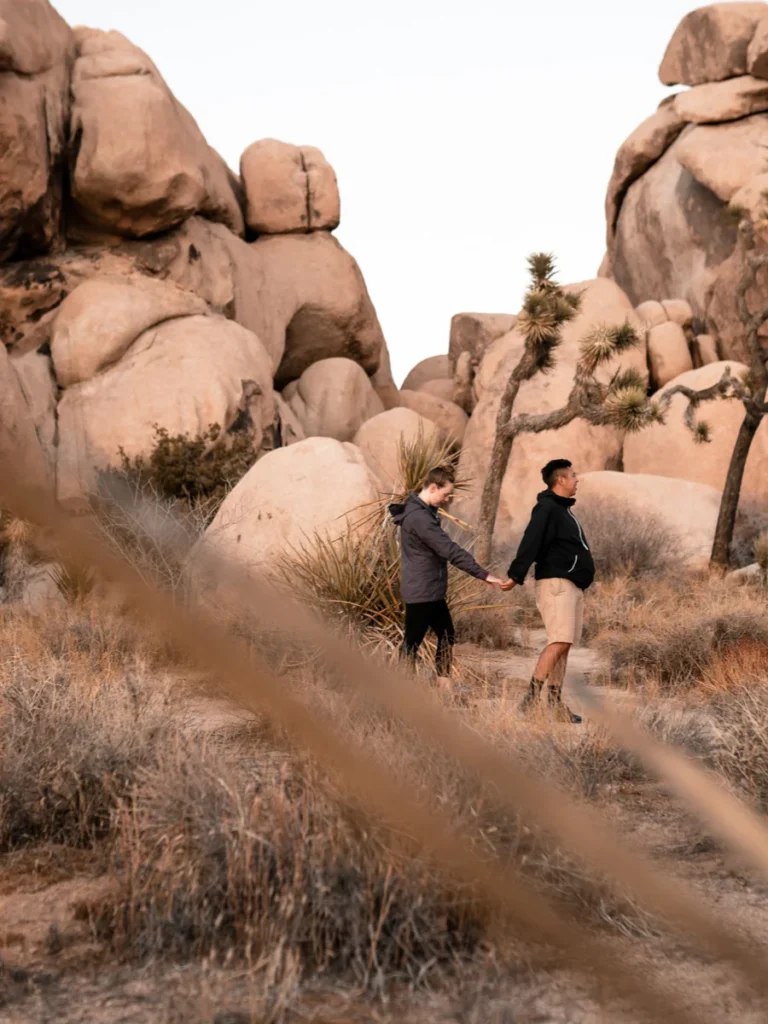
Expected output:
{"points": [[561, 605]]}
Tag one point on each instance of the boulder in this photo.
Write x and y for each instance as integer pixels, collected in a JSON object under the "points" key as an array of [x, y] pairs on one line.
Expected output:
{"points": [[674, 236], [724, 158], [651, 314], [716, 102], [711, 44], [668, 353], [441, 387], [757, 51], [333, 398], [669, 450], [679, 311], [18, 437], [36, 53], [379, 440], [314, 302], [39, 389], [432, 368], [139, 162], [637, 153], [474, 332], [184, 375], [590, 448], [450, 420], [284, 500], [288, 188], [689, 510], [99, 321]]}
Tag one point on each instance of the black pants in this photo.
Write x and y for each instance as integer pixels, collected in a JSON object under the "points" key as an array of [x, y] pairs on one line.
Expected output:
{"points": [[419, 619]]}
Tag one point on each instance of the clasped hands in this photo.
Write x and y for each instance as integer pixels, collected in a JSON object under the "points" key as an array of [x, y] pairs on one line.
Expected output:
{"points": [[494, 581]]}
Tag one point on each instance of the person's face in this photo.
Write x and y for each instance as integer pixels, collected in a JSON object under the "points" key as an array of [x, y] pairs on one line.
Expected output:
{"points": [[442, 496], [569, 483]]}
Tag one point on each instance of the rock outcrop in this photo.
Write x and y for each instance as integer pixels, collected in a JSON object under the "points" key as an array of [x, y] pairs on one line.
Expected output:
{"points": [[431, 368], [380, 438], [139, 162], [450, 420], [36, 53], [681, 180], [18, 436]]}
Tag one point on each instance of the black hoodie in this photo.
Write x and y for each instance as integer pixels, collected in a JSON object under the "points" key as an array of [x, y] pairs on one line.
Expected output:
{"points": [[425, 550], [555, 541]]}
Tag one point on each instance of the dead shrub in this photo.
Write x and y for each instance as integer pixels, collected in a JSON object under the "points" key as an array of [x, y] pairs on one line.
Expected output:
{"points": [[626, 542]]}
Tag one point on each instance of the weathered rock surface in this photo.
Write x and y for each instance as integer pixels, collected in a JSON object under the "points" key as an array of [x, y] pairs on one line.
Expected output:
{"points": [[288, 188], [140, 164], [99, 321], [669, 449], [711, 44], [679, 311], [722, 101], [285, 500], [725, 157], [706, 347], [590, 448], [431, 368], [674, 236], [649, 141], [36, 53], [688, 510], [440, 387], [39, 390], [651, 314], [448, 417], [185, 375], [18, 437], [288, 430], [379, 440], [668, 353], [757, 52], [333, 398]]}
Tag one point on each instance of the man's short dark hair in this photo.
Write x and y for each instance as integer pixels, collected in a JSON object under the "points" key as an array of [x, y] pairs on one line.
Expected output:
{"points": [[553, 470], [440, 476]]}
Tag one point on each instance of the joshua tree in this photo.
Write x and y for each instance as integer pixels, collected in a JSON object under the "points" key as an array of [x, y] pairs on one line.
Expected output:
{"points": [[621, 401], [751, 391]]}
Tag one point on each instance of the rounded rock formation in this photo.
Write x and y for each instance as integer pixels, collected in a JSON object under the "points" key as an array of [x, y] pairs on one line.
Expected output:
{"points": [[668, 353], [669, 450], [711, 44], [431, 368], [333, 398], [285, 499], [380, 438], [450, 420]]}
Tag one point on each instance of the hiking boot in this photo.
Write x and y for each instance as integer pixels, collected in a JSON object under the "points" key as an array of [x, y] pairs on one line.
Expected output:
{"points": [[561, 710], [532, 695]]}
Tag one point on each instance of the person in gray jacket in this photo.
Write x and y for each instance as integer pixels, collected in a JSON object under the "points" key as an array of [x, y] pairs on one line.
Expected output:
{"points": [[425, 551]]}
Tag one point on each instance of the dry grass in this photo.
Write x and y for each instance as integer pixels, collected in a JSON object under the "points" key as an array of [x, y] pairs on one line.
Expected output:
{"points": [[626, 543]]}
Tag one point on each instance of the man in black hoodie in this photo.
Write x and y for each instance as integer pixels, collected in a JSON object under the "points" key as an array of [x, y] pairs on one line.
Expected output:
{"points": [[425, 550], [554, 540]]}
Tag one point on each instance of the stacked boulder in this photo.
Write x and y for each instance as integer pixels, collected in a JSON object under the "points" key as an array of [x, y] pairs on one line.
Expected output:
{"points": [[685, 175], [145, 285]]}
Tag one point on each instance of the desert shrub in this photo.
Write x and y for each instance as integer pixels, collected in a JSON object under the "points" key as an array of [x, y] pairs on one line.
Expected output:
{"points": [[684, 650], [751, 524], [625, 541], [72, 742], [760, 551], [194, 471]]}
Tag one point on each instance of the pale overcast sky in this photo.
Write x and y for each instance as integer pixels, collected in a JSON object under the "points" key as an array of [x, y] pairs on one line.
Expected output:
{"points": [[464, 135]]}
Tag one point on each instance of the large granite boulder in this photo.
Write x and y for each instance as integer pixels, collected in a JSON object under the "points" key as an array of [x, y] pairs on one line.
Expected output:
{"points": [[139, 163], [99, 321], [35, 376], [450, 420], [288, 188], [431, 368], [688, 510], [711, 44], [184, 376], [36, 54], [18, 436], [284, 501], [333, 398]]}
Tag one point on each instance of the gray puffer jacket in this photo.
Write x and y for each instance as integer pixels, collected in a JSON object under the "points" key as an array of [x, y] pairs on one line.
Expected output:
{"points": [[425, 551]]}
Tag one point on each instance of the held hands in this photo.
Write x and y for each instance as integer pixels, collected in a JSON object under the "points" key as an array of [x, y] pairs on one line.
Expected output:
{"points": [[494, 581]]}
